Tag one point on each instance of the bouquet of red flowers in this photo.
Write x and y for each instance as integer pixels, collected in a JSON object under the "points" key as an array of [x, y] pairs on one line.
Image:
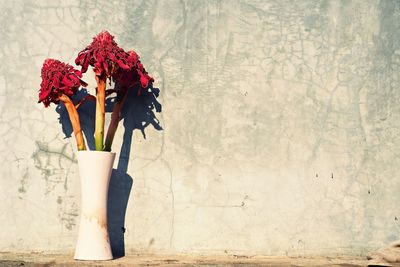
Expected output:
{"points": [[60, 81]]}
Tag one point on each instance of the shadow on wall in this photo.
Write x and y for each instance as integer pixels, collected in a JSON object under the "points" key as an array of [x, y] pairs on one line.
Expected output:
{"points": [[137, 113]]}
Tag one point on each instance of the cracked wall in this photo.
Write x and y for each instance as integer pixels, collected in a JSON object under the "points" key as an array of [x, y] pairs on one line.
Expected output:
{"points": [[280, 125]]}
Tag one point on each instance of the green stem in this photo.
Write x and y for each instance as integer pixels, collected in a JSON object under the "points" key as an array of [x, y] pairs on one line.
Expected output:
{"points": [[115, 118], [100, 110]]}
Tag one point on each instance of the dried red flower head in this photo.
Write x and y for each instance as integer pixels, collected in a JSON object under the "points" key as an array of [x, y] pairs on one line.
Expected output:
{"points": [[58, 78], [103, 54], [134, 75]]}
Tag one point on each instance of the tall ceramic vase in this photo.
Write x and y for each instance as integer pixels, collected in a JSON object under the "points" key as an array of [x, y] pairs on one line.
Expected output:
{"points": [[93, 240]]}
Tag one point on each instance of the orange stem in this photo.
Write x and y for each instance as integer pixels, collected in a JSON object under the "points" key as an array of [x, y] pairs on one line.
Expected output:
{"points": [[74, 118], [115, 118]]}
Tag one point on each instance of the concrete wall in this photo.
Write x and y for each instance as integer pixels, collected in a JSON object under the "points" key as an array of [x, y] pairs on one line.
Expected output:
{"points": [[281, 126]]}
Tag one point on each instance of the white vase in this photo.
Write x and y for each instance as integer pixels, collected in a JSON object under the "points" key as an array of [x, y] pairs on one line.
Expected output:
{"points": [[95, 169]]}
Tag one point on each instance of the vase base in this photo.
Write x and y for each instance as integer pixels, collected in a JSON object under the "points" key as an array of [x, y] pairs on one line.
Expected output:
{"points": [[92, 259], [93, 241]]}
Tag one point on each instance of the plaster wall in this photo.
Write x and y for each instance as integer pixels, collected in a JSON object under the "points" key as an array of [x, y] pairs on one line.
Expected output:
{"points": [[280, 126]]}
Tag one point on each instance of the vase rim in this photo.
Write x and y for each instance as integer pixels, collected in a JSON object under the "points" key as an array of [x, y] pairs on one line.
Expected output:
{"points": [[95, 151]]}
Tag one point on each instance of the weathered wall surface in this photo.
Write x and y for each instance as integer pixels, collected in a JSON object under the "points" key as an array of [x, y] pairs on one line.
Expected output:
{"points": [[281, 126]]}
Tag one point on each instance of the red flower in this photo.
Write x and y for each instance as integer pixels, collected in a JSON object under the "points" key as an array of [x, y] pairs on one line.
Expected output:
{"points": [[135, 74], [103, 54], [58, 78]]}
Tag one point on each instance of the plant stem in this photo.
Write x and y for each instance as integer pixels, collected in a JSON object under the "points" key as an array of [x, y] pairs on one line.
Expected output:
{"points": [[100, 106], [115, 118], [74, 118]]}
